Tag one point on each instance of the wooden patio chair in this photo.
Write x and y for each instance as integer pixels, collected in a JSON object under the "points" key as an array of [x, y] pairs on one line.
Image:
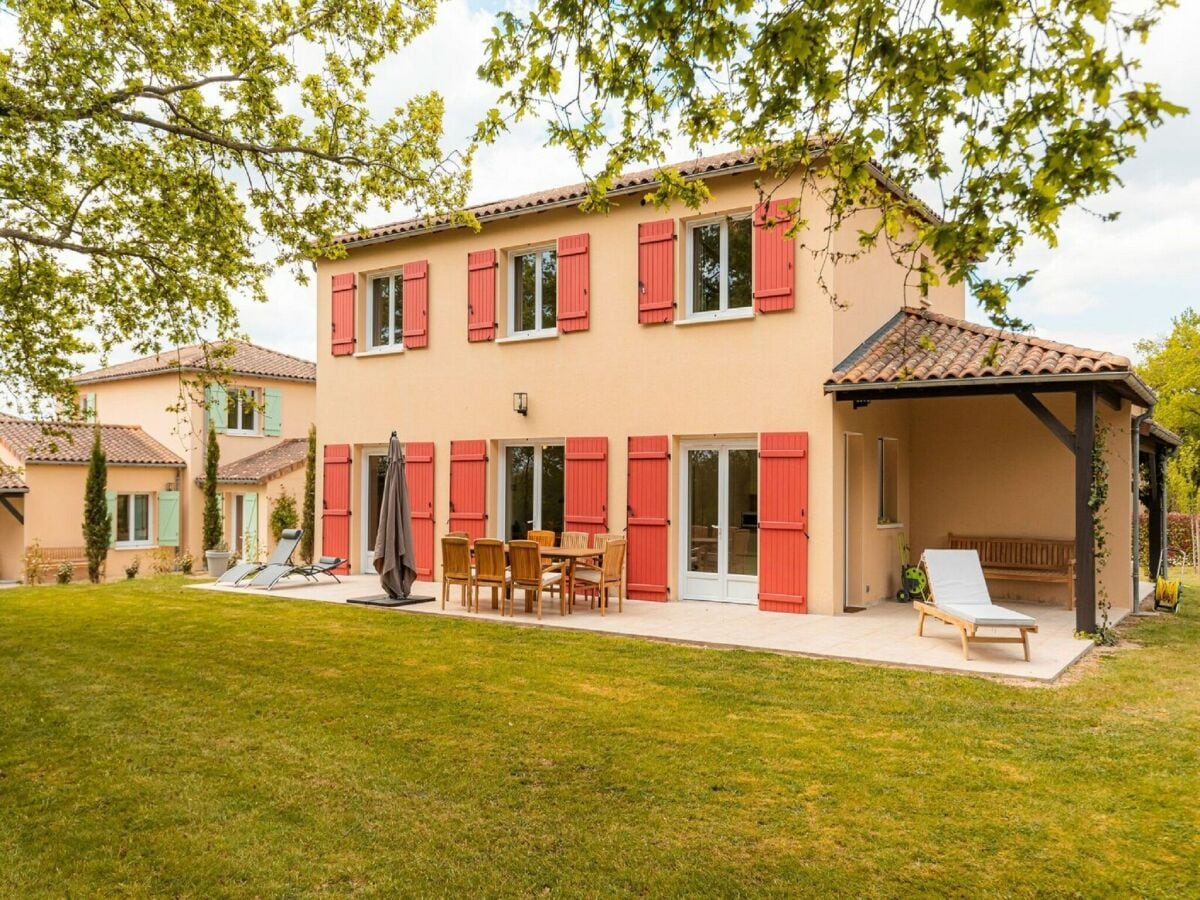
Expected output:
{"points": [[958, 595], [545, 538], [573, 540], [528, 574], [459, 534], [606, 576], [456, 567], [490, 572]]}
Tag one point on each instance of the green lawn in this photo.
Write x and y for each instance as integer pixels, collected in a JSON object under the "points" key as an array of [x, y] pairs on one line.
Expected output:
{"points": [[157, 740]]}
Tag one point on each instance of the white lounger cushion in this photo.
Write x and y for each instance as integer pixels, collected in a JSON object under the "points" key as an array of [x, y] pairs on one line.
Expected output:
{"points": [[960, 589], [980, 615], [956, 577]]}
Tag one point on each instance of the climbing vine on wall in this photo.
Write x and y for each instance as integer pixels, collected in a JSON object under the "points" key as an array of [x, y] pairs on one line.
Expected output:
{"points": [[1097, 502]]}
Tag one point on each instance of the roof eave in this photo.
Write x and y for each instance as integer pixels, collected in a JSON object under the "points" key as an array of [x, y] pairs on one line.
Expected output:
{"points": [[1132, 387]]}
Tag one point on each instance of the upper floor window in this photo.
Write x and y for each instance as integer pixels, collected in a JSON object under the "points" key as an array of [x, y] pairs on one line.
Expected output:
{"points": [[385, 312], [533, 300], [133, 520], [241, 411], [718, 266]]}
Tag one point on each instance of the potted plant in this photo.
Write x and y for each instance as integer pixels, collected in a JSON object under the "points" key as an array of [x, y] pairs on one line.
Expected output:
{"points": [[217, 559]]}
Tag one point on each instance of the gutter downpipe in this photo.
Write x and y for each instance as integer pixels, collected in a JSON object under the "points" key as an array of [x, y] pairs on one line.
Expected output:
{"points": [[1135, 451]]}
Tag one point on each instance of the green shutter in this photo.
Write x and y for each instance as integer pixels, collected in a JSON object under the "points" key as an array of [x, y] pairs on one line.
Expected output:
{"points": [[216, 399], [168, 518], [250, 527], [111, 497], [273, 418]]}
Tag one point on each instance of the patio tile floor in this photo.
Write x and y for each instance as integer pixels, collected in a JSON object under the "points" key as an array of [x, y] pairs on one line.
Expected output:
{"points": [[884, 633]]}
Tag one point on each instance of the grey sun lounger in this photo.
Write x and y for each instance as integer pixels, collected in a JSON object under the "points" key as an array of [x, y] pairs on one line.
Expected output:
{"points": [[268, 577], [289, 540], [958, 596]]}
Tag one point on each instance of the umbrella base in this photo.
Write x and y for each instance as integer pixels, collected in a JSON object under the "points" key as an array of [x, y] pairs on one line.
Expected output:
{"points": [[385, 600]]}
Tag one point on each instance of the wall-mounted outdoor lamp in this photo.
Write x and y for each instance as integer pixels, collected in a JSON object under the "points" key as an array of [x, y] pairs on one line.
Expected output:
{"points": [[521, 404]]}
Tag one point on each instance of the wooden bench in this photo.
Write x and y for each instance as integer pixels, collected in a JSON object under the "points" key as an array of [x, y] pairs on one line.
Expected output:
{"points": [[53, 557], [1023, 559]]}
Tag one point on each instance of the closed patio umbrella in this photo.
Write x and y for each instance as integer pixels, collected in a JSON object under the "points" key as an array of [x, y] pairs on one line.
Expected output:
{"points": [[394, 560]]}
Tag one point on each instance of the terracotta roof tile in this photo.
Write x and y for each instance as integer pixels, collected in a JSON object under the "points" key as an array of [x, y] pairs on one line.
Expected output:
{"points": [[71, 442], [919, 345], [284, 457], [11, 482], [244, 359], [645, 179]]}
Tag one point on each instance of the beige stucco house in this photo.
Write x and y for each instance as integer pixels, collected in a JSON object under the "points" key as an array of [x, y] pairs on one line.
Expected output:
{"points": [[42, 494], [261, 412], [684, 377]]}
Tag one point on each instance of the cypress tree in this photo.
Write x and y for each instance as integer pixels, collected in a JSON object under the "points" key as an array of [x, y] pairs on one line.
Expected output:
{"points": [[212, 510], [97, 523], [309, 523]]}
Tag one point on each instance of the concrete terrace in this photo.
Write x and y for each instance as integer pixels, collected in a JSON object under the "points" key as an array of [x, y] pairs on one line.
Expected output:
{"points": [[882, 634]]}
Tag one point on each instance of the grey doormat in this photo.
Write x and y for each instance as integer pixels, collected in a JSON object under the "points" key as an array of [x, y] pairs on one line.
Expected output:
{"points": [[385, 600]]}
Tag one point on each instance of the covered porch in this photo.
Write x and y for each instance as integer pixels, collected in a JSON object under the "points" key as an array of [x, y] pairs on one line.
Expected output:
{"points": [[885, 634], [991, 438]]}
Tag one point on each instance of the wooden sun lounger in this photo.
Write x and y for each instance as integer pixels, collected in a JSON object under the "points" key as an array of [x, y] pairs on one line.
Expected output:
{"points": [[958, 596]]}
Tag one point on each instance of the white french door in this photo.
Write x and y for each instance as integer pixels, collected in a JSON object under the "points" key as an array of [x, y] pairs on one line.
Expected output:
{"points": [[374, 470], [719, 538]]}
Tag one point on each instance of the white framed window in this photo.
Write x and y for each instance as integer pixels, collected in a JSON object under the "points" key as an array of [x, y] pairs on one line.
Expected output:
{"points": [[719, 267], [385, 312], [532, 488], [241, 411], [889, 481], [533, 292], [133, 523]]}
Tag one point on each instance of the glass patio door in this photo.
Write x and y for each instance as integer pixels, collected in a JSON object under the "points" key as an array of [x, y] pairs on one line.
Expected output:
{"points": [[532, 490], [719, 552], [374, 472]]}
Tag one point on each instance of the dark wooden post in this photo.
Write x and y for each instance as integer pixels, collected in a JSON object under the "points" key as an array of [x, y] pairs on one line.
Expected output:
{"points": [[1085, 538], [1154, 516]]}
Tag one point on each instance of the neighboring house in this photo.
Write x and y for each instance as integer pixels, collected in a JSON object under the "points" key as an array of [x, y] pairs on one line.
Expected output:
{"points": [[267, 402], [682, 376], [42, 493]]}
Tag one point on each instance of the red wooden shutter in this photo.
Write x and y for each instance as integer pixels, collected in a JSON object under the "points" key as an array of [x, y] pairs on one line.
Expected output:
{"points": [[481, 295], [647, 523], [416, 304], [335, 504], [573, 306], [656, 272], [343, 314], [418, 471], [774, 258], [783, 521], [468, 487], [586, 507]]}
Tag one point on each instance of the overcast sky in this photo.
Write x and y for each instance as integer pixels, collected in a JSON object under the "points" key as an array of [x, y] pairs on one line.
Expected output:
{"points": [[1105, 286]]}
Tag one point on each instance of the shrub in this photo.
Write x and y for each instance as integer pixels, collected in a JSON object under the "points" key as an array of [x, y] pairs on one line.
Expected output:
{"points": [[163, 561], [33, 560], [97, 523], [65, 572], [283, 514], [131, 570], [310, 498], [186, 563], [212, 508]]}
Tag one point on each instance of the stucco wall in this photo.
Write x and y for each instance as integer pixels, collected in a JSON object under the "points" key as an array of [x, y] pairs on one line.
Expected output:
{"points": [[12, 541], [618, 379]]}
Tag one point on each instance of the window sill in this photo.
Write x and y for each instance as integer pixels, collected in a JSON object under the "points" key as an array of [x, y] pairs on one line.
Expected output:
{"points": [[888, 526], [134, 546], [380, 351], [708, 318], [230, 432], [545, 334]]}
